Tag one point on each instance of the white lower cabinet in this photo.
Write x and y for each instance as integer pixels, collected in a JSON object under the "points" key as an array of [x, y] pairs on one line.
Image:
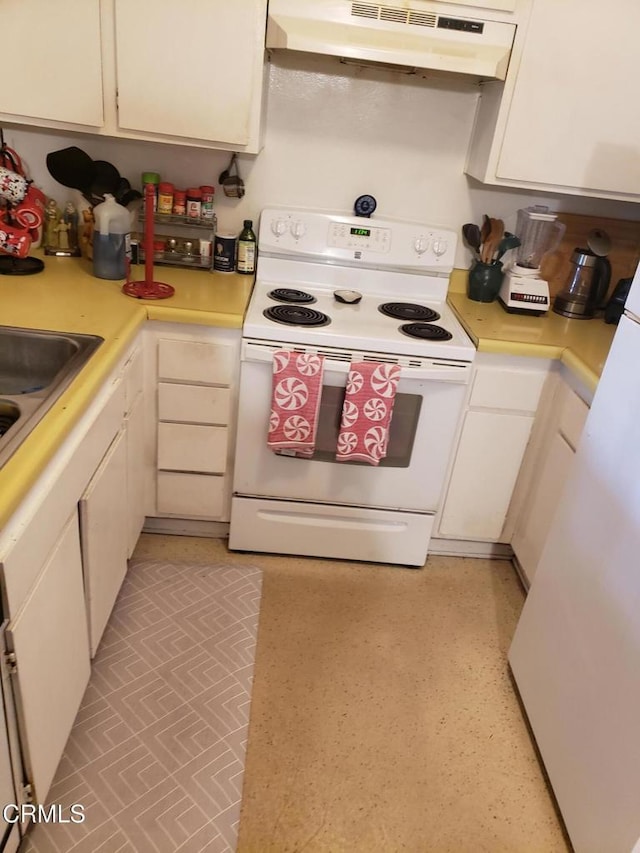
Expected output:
{"points": [[545, 471], [195, 370], [496, 428], [49, 638], [63, 556], [488, 460], [104, 521]]}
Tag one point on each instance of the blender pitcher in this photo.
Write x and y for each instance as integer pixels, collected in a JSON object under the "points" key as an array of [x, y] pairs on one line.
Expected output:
{"points": [[539, 232]]}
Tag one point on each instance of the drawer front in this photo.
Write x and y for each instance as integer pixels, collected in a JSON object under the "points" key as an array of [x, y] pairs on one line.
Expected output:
{"points": [[573, 414], [509, 389], [195, 361], [187, 447], [199, 404], [191, 495]]}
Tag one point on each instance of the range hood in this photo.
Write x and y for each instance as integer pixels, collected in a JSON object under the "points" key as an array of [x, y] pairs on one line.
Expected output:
{"points": [[417, 34]]}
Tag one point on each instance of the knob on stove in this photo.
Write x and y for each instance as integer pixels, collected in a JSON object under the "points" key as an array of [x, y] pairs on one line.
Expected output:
{"points": [[421, 244], [279, 226], [440, 247], [298, 229]]}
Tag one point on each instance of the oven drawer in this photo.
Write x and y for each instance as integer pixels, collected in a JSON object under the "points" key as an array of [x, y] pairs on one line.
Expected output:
{"points": [[189, 447], [197, 404], [191, 495], [349, 533]]}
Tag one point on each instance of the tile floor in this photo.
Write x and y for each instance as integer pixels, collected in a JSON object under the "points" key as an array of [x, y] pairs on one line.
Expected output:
{"points": [[383, 717]]}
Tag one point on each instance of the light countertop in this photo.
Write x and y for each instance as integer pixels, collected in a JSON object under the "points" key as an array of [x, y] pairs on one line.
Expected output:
{"points": [[66, 297], [581, 345]]}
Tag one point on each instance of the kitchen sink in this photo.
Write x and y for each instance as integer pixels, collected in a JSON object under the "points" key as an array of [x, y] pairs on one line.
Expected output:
{"points": [[35, 368]]}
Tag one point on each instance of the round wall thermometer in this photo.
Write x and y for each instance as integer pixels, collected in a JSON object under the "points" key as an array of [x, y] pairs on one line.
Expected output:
{"points": [[364, 205]]}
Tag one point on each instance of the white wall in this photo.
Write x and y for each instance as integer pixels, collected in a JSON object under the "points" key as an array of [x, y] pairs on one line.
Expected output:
{"points": [[334, 132]]}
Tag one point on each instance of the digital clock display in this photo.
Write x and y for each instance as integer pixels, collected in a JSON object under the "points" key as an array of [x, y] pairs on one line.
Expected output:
{"points": [[361, 232]]}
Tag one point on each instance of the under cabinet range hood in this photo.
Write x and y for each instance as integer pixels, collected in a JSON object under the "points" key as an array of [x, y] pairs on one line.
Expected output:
{"points": [[450, 37]]}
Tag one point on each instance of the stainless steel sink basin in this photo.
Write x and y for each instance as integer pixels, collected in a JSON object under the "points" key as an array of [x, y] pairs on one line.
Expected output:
{"points": [[35, 368]]}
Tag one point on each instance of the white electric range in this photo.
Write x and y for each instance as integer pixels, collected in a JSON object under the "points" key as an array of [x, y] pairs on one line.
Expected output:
{"points": [[350, 289]]}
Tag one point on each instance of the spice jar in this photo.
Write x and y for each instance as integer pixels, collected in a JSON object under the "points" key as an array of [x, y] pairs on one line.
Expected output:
{"points": [[165, 198], [194, 203], [207, 202], [179, 202]]}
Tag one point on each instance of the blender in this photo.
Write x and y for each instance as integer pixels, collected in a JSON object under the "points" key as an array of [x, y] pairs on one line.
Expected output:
{"points": [[523, 290]]}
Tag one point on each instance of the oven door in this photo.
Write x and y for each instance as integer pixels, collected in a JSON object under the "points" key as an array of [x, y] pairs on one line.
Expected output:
{"points": [[428, 407]]}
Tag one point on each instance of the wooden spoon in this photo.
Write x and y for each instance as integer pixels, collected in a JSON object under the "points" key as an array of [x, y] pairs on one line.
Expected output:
{"points": [[497, 233], [485, 231]]}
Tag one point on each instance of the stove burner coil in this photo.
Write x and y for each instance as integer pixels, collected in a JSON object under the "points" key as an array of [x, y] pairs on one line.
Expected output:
{"points": [[408, 311], [288, 294], [426, 331], [296, 315]]}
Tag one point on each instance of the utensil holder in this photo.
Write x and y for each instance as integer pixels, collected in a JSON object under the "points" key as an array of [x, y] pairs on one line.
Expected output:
{"points": [[484, 281]]}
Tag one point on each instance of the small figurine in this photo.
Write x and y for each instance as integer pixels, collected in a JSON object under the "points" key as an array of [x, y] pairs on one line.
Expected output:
{"points": [[70, 216], [51, 219], [86, 234], [62, 229]]}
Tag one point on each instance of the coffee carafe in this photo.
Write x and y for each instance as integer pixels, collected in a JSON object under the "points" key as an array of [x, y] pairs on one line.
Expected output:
{"points": [[586, 287]]}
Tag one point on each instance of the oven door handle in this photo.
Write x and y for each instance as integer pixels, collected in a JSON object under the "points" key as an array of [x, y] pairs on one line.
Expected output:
{"points": [[417, 368]]}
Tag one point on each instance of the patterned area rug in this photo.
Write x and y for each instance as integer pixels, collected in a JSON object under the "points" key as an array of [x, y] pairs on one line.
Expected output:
{"points": [[156, 755]]}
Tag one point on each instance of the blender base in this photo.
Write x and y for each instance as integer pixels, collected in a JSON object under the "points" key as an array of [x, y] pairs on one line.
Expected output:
{"points": [[530, 312]]}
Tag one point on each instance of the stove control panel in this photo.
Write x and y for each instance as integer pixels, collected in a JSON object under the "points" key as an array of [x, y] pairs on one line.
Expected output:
{"points": [[344, 235], [304, 234]]}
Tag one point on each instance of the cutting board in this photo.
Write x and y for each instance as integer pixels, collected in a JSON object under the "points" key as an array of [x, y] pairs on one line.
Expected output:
{"points": [[624, 255]]}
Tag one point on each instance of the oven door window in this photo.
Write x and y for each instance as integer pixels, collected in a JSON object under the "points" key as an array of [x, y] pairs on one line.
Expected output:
{"points": [[402, 429]]}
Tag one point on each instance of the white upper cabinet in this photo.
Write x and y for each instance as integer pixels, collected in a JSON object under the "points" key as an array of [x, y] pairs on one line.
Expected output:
{"points": [[52, 59], [565, 119], [190, 72], [190, 69]]}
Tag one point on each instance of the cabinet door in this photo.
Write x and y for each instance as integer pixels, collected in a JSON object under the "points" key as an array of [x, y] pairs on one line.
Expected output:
{"points": [[51, 54], [136, 472], [536, 517], [104, 523], [568, 124], [487, 463], [49, 638], [190, 69]]}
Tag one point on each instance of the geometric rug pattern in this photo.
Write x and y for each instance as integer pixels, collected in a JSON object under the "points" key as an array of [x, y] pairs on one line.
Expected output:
{"points": [[156, 755]]}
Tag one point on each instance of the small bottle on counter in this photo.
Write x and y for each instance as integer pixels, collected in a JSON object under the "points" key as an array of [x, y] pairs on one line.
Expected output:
{"points": [[247, 249], [179, 203], [194, 203], [165, 198]]}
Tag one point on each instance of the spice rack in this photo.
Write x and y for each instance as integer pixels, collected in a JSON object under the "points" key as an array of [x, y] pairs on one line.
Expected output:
{"points": [[178, 257]]}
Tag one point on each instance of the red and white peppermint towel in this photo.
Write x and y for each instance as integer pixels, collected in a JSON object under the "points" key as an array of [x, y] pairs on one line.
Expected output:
{"points": [[366, 413], [295, 401]]}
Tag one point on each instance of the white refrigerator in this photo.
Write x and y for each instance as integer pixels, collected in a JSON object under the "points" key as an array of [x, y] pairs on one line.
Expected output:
{"points": [[575, 655]]}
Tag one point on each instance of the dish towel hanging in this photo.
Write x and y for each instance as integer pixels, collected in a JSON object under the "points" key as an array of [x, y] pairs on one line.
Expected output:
{"points": [[295, 402], [366, 413]]}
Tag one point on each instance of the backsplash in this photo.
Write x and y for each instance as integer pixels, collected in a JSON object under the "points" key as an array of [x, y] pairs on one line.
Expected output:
{"points": [[332, 133]]}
